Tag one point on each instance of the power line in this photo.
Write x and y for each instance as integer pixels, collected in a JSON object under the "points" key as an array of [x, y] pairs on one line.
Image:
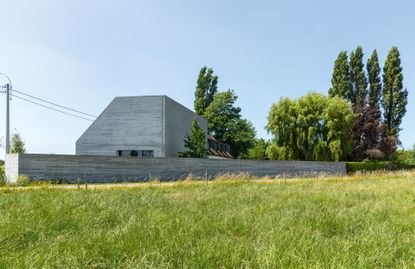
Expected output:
{"points": [[51, 103], [57, 110]]}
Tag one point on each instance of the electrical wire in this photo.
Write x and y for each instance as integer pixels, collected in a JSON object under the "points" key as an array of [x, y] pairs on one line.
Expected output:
{"points": [[48, 107], [54, 104]]}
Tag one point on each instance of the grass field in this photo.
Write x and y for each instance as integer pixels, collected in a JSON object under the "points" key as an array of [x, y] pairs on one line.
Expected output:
{"points": [[354, 222]]}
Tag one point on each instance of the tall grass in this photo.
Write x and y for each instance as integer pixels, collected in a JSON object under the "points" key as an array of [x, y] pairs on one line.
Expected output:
{"points": [[3, 180], [363, 221]]}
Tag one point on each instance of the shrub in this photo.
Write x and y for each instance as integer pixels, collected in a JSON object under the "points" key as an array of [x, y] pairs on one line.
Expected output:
{"points": [[405, 156], [368, 166], [3, 180], [22, 180], [375, 154]]}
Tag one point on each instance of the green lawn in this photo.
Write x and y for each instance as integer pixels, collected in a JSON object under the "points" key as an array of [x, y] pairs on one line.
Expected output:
{"points": [[358, 222]]}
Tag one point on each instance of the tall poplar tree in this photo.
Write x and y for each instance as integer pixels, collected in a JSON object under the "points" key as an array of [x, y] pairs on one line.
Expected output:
{"points": [[359, 102], [394, 97], [358, 77], [375, 84], [341, 85], [372, 129], [206, 88]]}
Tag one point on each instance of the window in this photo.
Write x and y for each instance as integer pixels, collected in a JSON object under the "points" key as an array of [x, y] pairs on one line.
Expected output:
{"points": [[147, 153], [135, 153], [124, 153]]}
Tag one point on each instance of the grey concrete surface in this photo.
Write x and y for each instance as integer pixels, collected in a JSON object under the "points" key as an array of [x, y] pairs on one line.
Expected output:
{"points": [[116, 169], [178, 120], [155, 123], [11, 165]]}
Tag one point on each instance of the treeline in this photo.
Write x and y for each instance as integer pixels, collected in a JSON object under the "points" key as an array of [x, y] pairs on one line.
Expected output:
{"points": [[359, 119], [379, 105]]}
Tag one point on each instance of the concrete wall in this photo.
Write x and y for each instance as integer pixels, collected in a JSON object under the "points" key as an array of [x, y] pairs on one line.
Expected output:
{"points": [[128, 123], [178, 121], [12, 167], [116, 169]]}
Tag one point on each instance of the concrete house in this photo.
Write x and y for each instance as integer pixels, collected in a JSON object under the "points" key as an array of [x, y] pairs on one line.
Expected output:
{"points": [[139, 126]]}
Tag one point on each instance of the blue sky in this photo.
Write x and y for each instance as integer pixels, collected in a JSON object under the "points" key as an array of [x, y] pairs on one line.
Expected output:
{"points": [[83, 53]]}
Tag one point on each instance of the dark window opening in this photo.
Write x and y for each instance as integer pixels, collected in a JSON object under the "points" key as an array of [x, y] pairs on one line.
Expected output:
{"points": [[147, 153], [135, 153]]}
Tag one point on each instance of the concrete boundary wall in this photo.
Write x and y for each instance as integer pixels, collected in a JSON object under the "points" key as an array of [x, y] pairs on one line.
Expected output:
{"points": [[118, 169]]}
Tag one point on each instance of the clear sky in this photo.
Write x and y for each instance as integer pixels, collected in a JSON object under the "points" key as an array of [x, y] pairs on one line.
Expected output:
{"points": [[83, 53]]}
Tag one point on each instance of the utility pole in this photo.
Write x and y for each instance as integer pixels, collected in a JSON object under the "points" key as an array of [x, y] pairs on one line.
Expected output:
{"points": [[8, 95], [7, 118]]}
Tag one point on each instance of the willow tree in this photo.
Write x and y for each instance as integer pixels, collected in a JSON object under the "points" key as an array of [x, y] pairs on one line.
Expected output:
{"points": [[313, 127]]}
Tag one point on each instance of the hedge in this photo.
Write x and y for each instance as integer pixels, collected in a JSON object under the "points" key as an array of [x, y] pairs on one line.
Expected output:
{"points": [[352, 167]]}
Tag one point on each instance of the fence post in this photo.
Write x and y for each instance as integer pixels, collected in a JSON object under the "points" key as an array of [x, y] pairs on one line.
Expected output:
{"points": [[206, 177], [86, 183]]}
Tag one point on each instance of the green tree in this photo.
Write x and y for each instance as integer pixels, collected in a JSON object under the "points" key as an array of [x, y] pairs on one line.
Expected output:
{"points": [[338, 118], [310, 126], [259, 150], [394, 97], [17, 144], [375, 84], [206, 88], [282, 123], [313, 127], [341, 84], [242, 139], [275, 152], [195, 142], [226, 124], [358, 77]]}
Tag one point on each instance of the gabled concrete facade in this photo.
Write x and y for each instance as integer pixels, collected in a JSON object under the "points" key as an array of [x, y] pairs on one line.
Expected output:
{"points": [[156, 124]]}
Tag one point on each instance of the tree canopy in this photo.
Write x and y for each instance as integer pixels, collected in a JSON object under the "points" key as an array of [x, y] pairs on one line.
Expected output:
{"points": [[372, 136], [394, 97], [226, 124], [258, 151], [341, 84], [313, 127], [375, 84], [358, 77], [206, 87], [17, 144]]}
